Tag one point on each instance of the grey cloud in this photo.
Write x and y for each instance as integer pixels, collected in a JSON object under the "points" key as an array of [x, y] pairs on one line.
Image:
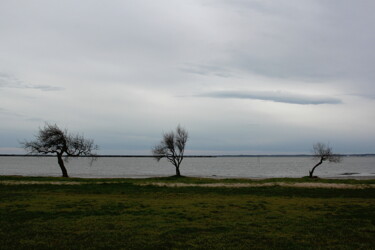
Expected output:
{"points": [[34, 119], [244, 6], [283, 68], [275, 96], [9, 81], [202, 69], [45, 87], [309, 40], [368, 95], [8, 113], [15, 115]]}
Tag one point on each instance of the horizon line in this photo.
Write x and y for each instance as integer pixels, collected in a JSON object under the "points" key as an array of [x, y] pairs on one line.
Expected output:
{"points": [[192, 156]]}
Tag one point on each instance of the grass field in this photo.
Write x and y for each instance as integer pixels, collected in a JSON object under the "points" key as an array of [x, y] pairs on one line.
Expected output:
{"points": [[123, 214]]}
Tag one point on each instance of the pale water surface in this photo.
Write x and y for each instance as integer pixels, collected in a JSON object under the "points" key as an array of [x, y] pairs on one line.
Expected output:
{"points": [[137, 167]]}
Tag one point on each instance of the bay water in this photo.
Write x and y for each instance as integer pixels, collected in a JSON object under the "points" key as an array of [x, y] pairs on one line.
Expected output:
{"points": [[220, 167]]}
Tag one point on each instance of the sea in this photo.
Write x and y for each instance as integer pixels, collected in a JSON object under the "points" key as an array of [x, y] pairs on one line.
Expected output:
{"points": [[213, 167]]}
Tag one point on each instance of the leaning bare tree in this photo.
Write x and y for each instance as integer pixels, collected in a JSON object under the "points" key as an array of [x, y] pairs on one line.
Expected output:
{"points": [[323, 152], [172, 147], [52, 140]]}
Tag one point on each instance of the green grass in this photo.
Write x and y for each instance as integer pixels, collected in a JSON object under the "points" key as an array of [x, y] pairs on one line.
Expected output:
{"points": [[124, 215], [188, 180]]}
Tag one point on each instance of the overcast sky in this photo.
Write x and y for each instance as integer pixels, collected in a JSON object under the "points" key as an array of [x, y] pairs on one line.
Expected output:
{"points": [[243, 77]]}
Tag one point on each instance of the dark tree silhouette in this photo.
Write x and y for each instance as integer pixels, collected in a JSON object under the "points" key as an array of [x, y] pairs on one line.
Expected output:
{"points": [[172, 147], [52, 140], [323, 152]]}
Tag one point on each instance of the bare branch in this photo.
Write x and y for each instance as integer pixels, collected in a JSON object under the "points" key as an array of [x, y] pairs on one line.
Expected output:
{"points": [[159, 152], [52, 140], [323, 152], [172, 147]]}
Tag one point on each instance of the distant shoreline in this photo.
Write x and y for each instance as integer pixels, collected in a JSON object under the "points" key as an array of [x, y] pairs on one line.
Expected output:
{"points": [[190, 156]]}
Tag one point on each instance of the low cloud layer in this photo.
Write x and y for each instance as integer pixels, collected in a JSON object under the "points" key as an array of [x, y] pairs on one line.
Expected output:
{"points": [[205, 70], [9, 81], [274, 96]]}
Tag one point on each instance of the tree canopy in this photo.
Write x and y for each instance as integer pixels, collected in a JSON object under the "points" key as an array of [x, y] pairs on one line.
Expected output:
{"points": [[53, 140], [172, 147], [323, 152]]}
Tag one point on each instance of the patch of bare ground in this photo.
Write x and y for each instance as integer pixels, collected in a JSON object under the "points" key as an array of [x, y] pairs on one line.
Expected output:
{"points": [[268, 184]]}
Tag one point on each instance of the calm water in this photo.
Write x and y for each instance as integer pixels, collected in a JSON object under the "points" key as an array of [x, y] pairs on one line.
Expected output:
{"points": [[204, 167]]}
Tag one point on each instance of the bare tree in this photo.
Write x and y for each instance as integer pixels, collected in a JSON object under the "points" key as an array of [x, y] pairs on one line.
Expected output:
{"points": [[52, 140], [323, 152], [172, 147]]}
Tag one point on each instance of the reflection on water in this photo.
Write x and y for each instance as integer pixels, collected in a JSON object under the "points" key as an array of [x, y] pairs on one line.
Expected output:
{"points": [[137, 167]]}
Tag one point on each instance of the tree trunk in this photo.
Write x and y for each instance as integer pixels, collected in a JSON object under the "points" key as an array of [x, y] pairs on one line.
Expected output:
{"points": [[178, 171], [311, 172], [62, 166]]}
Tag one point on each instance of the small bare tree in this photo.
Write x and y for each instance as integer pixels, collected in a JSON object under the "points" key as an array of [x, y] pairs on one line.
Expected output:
{"points": [[172, 147], [323, 152], [52, 140]]}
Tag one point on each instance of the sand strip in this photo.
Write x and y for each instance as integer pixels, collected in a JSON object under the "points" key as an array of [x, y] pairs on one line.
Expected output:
{"points": [[10, 182], [268, 184]]}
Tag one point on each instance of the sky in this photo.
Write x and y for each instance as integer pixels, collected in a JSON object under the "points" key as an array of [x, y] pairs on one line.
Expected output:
{"points": [[242, 77]]}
